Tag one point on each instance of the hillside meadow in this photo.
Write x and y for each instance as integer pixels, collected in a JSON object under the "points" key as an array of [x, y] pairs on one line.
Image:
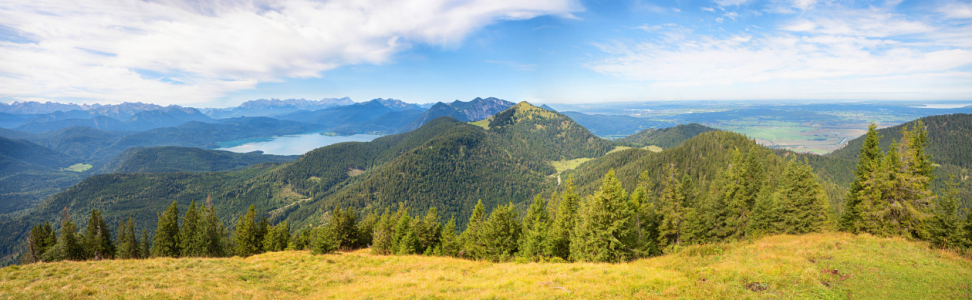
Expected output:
{"points": [[817, 266]]}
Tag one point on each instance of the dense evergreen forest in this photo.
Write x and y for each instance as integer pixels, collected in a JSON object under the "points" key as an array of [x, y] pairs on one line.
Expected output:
{"points": [[450, 188], [666, 138]]}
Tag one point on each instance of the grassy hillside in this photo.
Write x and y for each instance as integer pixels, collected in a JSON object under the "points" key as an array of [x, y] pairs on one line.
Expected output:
{"points": [[819, 266], [666, 138]]}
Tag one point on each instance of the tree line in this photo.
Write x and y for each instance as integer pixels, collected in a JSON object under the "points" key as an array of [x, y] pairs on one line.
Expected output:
{"points": [[889, 197]]}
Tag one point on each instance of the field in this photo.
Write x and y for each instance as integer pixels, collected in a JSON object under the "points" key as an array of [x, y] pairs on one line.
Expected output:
{"points": [[564, 165], [815, 138], [79, 167], [819, 266]]}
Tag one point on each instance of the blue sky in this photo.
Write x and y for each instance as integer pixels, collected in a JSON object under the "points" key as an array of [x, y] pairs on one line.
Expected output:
{"points": [[221, 53]]}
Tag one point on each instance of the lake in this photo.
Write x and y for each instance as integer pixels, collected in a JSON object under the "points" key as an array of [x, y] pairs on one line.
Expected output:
{"points": [[291, 144]]}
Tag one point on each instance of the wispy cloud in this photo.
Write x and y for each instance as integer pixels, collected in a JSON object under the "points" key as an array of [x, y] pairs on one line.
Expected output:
{"points": [[514, 65], [708, 9], [828, 54], [956, 10], [113, 51]]}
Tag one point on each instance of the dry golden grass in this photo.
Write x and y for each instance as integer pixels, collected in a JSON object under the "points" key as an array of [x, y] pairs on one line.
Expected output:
{"points": [[779, 267]]}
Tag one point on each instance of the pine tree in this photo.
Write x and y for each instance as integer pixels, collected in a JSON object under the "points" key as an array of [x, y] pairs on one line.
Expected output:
{"points": [[946, 226], [367, 227], [501, 233], [605, 229], [246, 234], [262, 229], [166, 241], [473, 245], [868, 161], [343, 225], [671, 209], [534, 229], [562, 226], [192, 243], [803, 205], [766, 218], [323, 240]]}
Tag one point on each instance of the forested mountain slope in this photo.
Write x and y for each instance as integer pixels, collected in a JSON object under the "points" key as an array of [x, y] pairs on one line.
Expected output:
{"points": [[446, 164], [474, 110], [169, 159], [666, 138]]}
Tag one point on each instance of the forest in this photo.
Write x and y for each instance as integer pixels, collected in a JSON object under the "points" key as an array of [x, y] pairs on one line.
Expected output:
{"points": [[890, 196]]}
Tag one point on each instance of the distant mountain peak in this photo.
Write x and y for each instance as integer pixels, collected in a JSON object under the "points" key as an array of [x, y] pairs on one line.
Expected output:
{"points": [[474, 110]]}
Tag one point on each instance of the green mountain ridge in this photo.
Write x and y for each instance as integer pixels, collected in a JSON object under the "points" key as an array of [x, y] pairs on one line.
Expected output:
{"points": [[666, 138]]}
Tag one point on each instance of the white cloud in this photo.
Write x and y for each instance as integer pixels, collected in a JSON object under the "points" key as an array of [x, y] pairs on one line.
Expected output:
{"points": [[730, 2], [708, 9], [731, 15], [718, 20], [190, 52], [676, 9], [957, 10], [864, 54]]}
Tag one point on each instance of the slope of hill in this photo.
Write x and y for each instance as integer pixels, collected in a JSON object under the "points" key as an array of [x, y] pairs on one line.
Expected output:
{"points": [[665, 138], [948, 140], [31, 153], [817, 266], [446, 163], [185, 159], [30, 173], [138, 120], [476, 109], [359, 117]]}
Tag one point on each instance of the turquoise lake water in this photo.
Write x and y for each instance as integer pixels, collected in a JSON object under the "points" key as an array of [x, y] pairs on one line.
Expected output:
{"points": [[291, 144]]}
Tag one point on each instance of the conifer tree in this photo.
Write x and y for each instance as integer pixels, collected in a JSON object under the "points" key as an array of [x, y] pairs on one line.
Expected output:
{"points": [[803, 205], [262, 229], [735, 196], [41, 239], [343, 225], [246, 234], [766, 216], [366, 229], [166, 240], [384, 233], [190, 237], [146, 250], [404, 239], [671, 209], [449, 240], [946, 226], [428, 230], [323, 240], [868, 161], [645, 219], [605, 229], [128, 244], [68, 245], [278, 237], [473, 245], [501, 233], [562, 227], [97, 240], [535, 225], [211, 232], [696, 229]]}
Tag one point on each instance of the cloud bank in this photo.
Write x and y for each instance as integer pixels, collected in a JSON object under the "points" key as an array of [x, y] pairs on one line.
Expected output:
{"points": [[187, 52]]}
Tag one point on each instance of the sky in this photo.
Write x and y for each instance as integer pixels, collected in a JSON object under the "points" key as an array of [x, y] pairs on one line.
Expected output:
{"points": [[221, 53]]}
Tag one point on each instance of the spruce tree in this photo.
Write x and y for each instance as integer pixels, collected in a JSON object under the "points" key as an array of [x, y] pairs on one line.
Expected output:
{"points": [[535, 225], [145, 252], [166, 240], [671, 209], [868, 161], [501, 233], [803, 206], [473, 245], [946, 226], [645, 218], [211, 232], [766, 217], [262, 228], [562, 227], [128, 245], [41, 239], [246, 234], [190, 238], [428, 230], [605, 229], [97, 239], [343, 225], [68, 245], [383, 234], [404, 240], [449, 239]]}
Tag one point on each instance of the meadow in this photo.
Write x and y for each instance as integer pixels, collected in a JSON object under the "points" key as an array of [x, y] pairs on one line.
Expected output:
{"points": [[816, 266]]}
